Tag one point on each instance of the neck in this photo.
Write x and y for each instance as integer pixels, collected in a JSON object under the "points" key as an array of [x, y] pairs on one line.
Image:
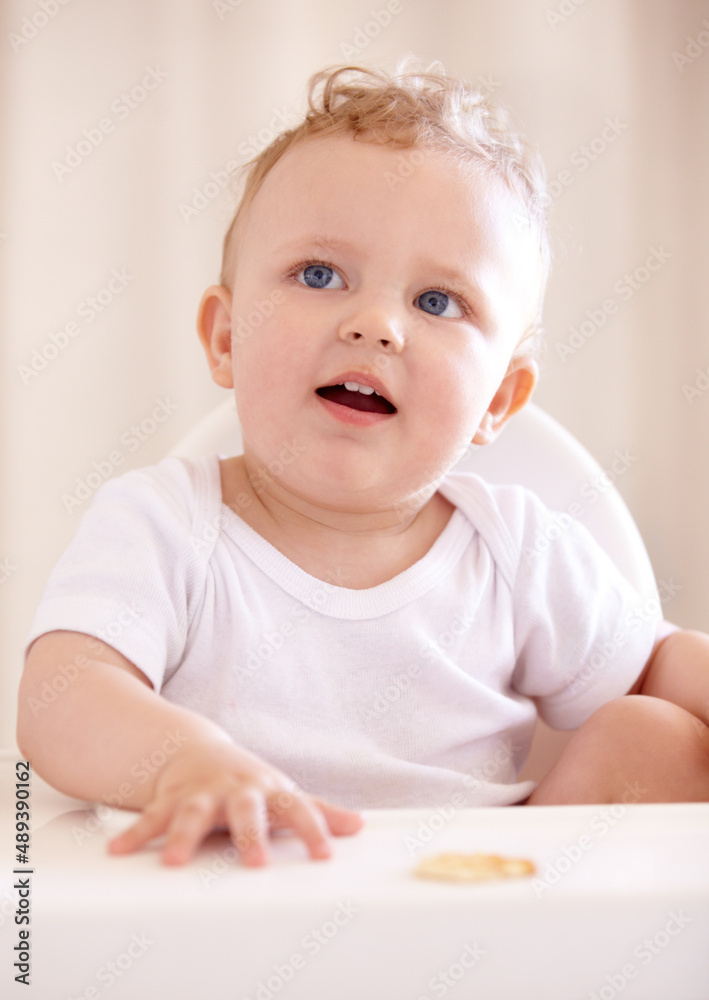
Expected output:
{"points": [[309, 517], [349, 546]]}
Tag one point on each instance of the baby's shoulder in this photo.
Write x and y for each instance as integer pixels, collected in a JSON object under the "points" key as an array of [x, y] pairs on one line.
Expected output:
{"points": [[503, 508], [515, 524], [177, 495]]}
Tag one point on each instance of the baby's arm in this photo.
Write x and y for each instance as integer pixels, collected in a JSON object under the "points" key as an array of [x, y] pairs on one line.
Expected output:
{"points": [[653, 748], [678, 671], [96, 738]]}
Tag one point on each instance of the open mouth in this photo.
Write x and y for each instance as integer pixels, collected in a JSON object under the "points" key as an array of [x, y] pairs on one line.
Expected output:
{"points": [[355, 399]]}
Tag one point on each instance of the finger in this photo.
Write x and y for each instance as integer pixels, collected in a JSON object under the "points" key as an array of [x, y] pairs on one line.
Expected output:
{"points": [[191, 822], [341, 822], [153, 821], [248, 823], [291, 809]]}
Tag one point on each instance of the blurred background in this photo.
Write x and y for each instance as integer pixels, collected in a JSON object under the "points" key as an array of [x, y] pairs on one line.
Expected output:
{"points": [[120, 124]]}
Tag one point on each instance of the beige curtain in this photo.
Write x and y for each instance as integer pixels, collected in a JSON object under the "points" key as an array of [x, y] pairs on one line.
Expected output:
{"points": [[119, 123]]}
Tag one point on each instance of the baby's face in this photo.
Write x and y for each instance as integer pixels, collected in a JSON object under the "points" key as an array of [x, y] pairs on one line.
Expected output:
{"points": [[356, 258]]}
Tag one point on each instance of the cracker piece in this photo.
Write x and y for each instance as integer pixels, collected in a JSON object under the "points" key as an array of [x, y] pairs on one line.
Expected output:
{"points": [[473, 867]]}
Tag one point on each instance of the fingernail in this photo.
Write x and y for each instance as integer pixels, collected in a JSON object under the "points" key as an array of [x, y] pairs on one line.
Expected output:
{"points": [[254, 857], [253, 851]]}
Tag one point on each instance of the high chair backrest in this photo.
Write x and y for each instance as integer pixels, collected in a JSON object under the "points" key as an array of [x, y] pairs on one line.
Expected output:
{"points": [[534, 450]]}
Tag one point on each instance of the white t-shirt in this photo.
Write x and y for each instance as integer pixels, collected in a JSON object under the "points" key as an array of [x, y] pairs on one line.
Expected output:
{"points": [[412, 693]]}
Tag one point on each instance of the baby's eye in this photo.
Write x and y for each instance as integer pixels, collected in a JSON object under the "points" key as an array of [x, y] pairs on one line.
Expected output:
{"points": [[436, 303], [319, 276]]}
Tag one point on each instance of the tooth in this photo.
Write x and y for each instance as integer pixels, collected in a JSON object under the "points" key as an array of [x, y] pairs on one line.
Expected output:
{"points": [[356, 387]]}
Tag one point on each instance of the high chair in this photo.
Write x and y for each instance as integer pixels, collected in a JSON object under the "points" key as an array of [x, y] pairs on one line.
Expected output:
{"points": [[535, 451]]}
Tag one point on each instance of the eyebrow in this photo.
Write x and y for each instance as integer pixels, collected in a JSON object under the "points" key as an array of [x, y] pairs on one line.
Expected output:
{"points": [[450, 274], [325, 243]]}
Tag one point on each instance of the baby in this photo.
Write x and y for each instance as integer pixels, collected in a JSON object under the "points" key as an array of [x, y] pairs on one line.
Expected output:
{"points": [[334, 620]]}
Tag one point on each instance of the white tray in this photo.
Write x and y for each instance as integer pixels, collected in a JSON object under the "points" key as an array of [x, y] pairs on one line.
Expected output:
{"points": [[361, 925]]}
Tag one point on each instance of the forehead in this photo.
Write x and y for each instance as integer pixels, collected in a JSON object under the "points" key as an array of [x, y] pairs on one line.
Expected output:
{"points": [[394, 202], [325, 178]]}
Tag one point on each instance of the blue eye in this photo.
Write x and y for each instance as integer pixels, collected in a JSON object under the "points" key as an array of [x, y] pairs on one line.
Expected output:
{"points": [[319, 276], [435, 303]]}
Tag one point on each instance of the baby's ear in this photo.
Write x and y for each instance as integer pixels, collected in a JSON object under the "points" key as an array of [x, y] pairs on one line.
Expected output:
{"points": [[214, 329], [513, 392]]}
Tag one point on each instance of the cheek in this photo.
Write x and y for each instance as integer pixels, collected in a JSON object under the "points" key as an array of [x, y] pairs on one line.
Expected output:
{"points": [[269, 363], [459, 390], [454, 395]]}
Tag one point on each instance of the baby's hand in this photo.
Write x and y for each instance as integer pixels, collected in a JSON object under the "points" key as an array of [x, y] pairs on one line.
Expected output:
{"points": [[220, 784]]}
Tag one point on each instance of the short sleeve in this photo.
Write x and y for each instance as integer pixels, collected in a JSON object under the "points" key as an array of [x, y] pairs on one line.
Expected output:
{"points": [[126, 575], [582, 633]]}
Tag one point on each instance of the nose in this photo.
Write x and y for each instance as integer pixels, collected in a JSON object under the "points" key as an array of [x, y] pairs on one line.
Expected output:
{"points": [[380, 325]]}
